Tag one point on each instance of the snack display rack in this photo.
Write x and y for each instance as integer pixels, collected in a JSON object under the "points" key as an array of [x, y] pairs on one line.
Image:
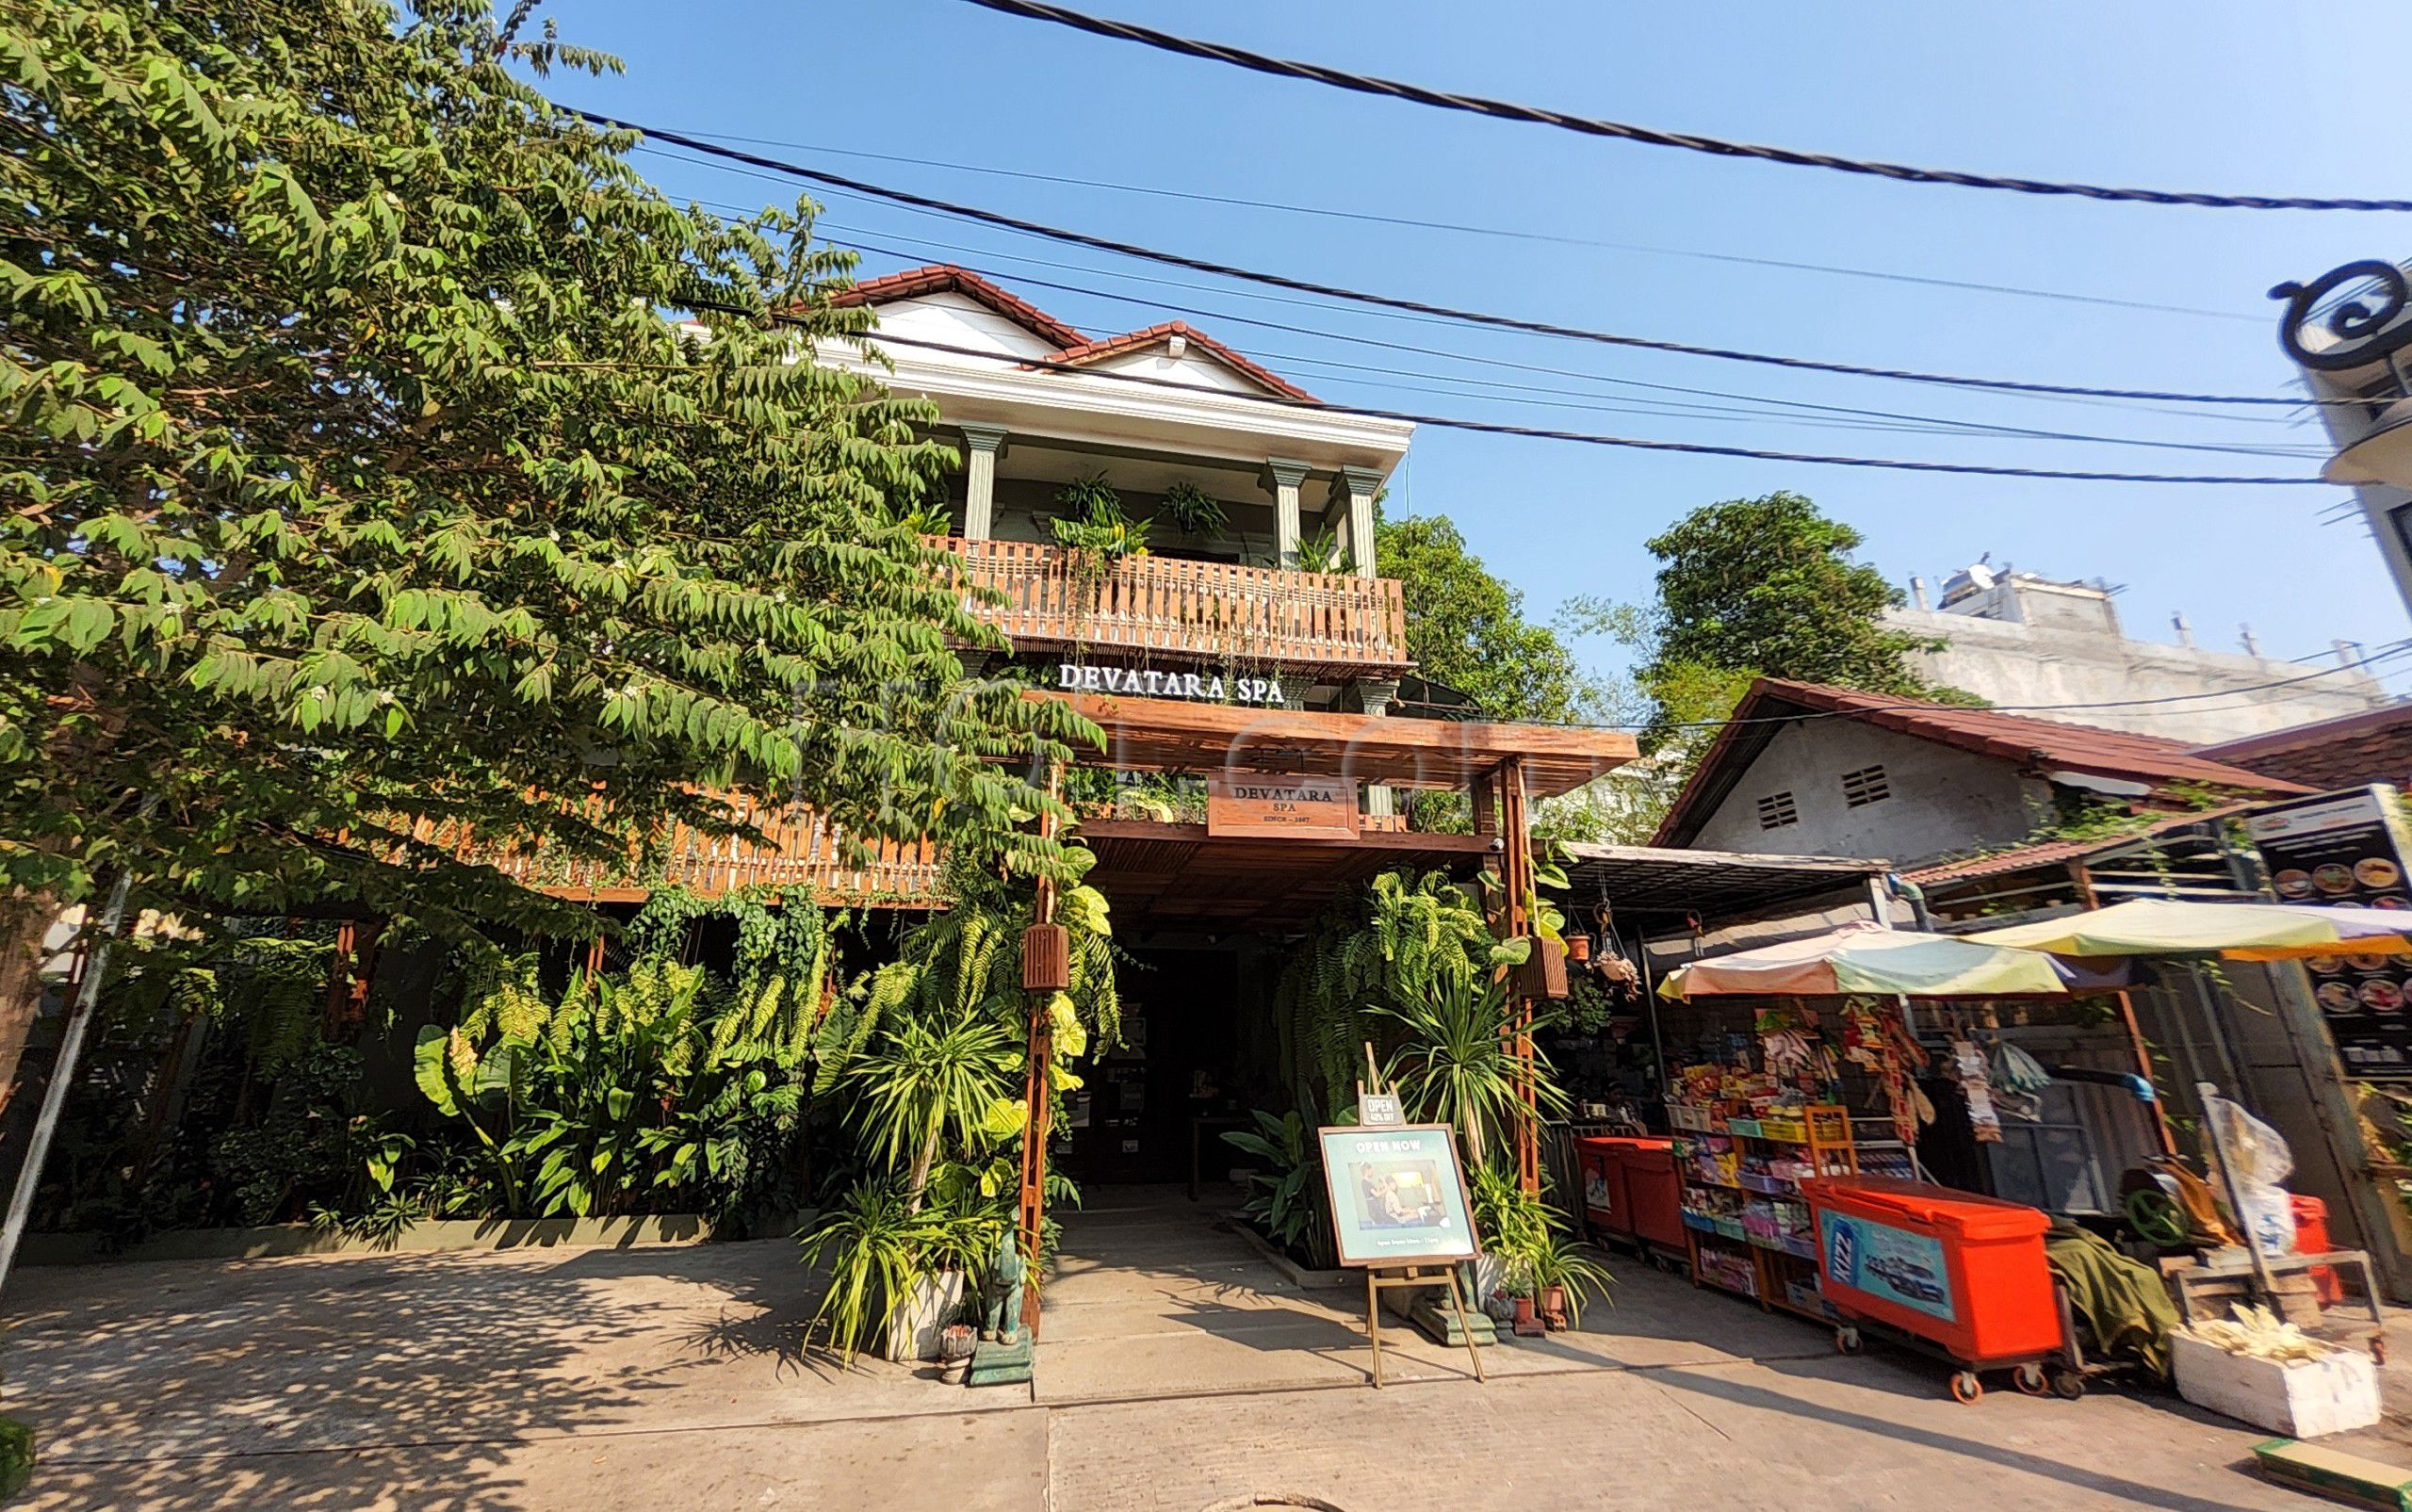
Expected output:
{"points": [[1741, 1164]]}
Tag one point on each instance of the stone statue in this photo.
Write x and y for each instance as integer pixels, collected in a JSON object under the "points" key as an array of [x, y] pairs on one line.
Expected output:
{"points": [[1002, 1322]]}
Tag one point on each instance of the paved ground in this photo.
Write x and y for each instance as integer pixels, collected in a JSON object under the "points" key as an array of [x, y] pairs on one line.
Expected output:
{"points": [[1180, 1371]]}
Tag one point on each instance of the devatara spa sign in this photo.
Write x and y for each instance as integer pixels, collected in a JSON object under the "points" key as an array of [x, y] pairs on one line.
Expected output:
{"points": [[1201, 686]]}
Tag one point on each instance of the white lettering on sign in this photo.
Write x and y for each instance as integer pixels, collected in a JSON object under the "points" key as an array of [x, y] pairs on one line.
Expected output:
{"points": [[1210, 688]]}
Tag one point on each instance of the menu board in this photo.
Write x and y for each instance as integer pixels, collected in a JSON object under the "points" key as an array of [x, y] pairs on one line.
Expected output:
{"points": [[2348, 848]]}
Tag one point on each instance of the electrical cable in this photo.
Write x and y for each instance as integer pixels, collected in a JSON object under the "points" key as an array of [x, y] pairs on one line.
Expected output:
{"points": [[1597, 439], [1503, 233], [840, 181], [1914, 423], [1646, 135]]}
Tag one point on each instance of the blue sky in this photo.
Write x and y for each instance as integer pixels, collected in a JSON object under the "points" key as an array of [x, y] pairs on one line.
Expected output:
{"points": [[2234, 95]]}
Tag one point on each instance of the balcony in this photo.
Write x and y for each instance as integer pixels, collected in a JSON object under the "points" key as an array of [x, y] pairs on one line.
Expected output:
{"points": [[806, 857], [1330, 623]]}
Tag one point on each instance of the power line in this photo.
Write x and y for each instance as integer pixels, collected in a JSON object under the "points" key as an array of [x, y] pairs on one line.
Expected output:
{"points": [[1593, 438], [2390, 652], [1914, 423], [1503, 322], [1646, 135], [1503, 233]]}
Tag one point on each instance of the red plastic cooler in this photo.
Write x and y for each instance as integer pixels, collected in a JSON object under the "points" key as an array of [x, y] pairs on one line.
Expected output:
{"points": [[1965, 1272], [1606, 1202], [1630, 1190]]}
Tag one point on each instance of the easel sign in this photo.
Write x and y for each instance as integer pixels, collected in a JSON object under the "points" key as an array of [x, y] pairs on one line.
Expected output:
{"points": [[1398, 1195], [1398, 1208]]}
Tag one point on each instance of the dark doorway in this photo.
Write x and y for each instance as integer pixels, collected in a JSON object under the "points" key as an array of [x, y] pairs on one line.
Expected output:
{"points": [[1173, 1080]]}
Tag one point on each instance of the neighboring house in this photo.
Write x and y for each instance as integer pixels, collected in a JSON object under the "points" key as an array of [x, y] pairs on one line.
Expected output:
{"points": [[2030, 644], [2352, 752], [1810, 770]]}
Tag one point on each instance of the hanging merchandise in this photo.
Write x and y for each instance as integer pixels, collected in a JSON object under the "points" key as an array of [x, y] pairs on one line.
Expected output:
{"points": [[2019, 1080], [2260, 1160], [1975, 1079], [1875, 1038]]}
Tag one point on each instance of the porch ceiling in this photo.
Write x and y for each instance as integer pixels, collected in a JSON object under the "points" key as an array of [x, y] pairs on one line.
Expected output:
{"points": [[1162, 735], [1177, 876]]}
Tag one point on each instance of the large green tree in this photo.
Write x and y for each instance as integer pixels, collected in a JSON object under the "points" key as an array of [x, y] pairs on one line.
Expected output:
{"points": [[362, 504], [1769, 586], [1466, 627], [1748, 588]]}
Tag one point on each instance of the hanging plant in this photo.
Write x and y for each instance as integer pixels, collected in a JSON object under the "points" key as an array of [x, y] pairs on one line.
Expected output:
{"points": [[1094, 527], [1192, 513]]}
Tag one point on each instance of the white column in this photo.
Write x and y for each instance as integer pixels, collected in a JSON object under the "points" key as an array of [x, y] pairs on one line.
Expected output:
{"points": [[1352, 499], [981, 445], [1376, 695], [1286, 477]]}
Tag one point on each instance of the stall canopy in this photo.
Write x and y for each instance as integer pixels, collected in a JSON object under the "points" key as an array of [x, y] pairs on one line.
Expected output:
{"points": [[2239, 931], [1869, 958]]}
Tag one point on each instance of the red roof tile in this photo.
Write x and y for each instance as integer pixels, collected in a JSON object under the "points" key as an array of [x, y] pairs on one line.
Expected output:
{"points": [[2037, 744], [1105, 347], [2350, 752], [945, 278]]}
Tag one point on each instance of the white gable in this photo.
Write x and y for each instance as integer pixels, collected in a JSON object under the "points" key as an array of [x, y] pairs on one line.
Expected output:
{"points": [[1197, 368], [953, 319]]}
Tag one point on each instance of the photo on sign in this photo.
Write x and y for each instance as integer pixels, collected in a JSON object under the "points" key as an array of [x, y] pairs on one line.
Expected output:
{"points": [[1398, 1195]]}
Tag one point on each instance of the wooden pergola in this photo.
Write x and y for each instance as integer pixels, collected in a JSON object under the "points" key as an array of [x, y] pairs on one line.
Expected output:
{"points": [[1501, 768]]}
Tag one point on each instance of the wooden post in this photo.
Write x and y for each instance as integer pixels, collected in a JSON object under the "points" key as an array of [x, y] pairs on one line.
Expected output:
{"points": [[1516, 875], [2085, 897], [1037, 1115]]}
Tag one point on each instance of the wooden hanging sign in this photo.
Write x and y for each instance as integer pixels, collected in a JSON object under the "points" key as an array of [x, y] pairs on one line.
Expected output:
{"points": [[1300, 807]]}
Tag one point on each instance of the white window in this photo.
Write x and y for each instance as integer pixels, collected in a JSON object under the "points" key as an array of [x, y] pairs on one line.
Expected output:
{"points": [[1776, 810], [1864, 786]]}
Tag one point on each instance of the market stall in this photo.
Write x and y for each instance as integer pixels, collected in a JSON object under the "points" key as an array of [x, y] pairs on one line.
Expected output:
{"points": [[2272, 1264], [1766, 1120]]}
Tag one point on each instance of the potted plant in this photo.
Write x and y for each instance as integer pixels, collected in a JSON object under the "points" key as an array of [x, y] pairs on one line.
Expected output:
{"points": [[955, 1343], [1561, 1271]]}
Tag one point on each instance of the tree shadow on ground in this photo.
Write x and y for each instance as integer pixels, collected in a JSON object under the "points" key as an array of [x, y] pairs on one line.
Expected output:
{"points": [[389, 1380]]}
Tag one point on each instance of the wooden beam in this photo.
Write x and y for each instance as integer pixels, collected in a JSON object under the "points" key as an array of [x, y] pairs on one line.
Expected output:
{"points": [[1161, 734]]}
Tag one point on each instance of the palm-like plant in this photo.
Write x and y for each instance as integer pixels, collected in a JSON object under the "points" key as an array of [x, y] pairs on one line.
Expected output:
{"points": [[923, 1080], [1457, 1064]]}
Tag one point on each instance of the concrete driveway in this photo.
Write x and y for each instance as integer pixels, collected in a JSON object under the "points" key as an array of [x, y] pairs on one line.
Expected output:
{"points": [[1178, 1372]]}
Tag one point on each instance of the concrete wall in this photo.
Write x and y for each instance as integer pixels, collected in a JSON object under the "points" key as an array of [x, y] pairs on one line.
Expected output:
{"points": [[1943, 801], [2019, 666]]}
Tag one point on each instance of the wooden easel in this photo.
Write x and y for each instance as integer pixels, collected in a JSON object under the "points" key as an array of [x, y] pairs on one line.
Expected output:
{"points": [[1381, 1279], [1377, 1282]]}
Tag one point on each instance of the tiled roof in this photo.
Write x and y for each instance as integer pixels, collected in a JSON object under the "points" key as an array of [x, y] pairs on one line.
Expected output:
{"points": [[2048, 852], [2357, 749], [1070, 345], [1105, 347], [2036, 744], [945, 278]]}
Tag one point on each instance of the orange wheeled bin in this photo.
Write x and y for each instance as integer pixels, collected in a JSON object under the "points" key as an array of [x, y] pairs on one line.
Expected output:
{"points": [[1958, 1274], [1606, 1201]]}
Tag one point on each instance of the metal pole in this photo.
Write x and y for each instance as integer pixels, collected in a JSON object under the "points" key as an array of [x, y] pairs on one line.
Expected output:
{"points": [[62, 1075]]}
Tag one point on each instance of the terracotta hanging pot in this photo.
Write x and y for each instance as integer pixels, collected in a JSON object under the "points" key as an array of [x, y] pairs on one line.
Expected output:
{"points": [[1579, 948]]}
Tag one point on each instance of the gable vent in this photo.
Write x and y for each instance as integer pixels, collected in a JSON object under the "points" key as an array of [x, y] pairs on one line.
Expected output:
{"points": [[1864, 786], [1776, 810]]}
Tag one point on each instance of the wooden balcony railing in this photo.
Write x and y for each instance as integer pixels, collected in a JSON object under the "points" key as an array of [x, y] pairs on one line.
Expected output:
{"points": [[1330, 623], [806, 857]]}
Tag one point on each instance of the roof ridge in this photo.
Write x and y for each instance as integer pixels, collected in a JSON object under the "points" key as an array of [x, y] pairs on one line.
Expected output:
{"points": [[1101, 347], [938, 278]]}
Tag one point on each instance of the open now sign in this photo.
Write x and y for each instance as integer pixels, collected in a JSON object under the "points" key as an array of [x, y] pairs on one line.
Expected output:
{"points": [[1323, 808]]}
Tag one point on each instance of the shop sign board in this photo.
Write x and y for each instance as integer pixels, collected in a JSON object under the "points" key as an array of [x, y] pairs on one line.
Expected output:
{"points": [[1890, 1264], [1379, 1110], [1317, 808], [1398, 1195], [2348, 848], [1147, 682]]}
